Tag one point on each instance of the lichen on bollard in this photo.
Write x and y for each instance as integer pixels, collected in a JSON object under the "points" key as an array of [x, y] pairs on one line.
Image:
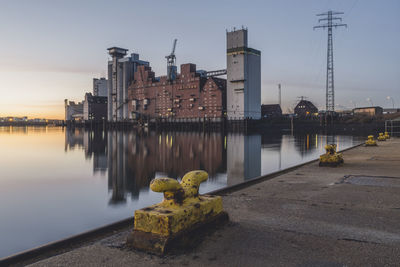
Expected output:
{"points": [[381, 137], [387, 136], [370, 141], [182, 213], [331, 158]]}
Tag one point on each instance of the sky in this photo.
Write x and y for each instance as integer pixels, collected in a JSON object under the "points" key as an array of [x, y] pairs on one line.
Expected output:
{"points": [[52, 49]]}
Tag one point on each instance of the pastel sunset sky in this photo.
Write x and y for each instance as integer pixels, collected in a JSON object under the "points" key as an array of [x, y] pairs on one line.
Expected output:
{"points": [[52, 49]]}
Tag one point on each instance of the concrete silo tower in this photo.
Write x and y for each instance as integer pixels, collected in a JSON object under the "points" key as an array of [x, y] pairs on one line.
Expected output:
{"points": [[243, 77]]}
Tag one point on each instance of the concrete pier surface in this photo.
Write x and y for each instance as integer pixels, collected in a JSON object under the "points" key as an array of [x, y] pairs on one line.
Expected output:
{"points": [[312, 216]]}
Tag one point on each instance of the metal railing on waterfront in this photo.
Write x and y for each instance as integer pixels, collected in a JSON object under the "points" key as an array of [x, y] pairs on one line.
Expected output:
{"points": [[393, 127]]}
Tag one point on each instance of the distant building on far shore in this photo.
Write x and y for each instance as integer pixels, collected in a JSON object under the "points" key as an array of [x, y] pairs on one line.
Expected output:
{"points": [[94, 108], [73, 111], [100, 87], [390, 110], [273, 110], [121, 70], [370, 111], [190, 96], [305, 108], [243, 67]]}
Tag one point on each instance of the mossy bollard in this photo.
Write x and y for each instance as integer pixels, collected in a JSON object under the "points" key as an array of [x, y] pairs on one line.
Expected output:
{"points": [[181, 215], [370, 141], [381, 137], [387, 136], [331, 157]]}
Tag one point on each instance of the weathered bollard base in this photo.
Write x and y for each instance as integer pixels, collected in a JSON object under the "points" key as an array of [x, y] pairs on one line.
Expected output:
{"points": [[181, 241], [371, 143], [331, 162]]}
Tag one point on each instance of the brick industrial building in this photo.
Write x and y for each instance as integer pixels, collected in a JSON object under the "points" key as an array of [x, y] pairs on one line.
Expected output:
{"points": [[135, 93], [189, 96]]}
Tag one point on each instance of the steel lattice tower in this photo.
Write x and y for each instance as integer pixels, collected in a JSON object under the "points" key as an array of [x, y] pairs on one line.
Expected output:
{"points": [[330, 85]]}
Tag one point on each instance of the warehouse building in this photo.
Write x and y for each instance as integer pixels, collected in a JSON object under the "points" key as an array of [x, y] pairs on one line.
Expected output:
{"points": [[73, 111], [100, 87], [94, 108], [190, 95], [305, 108], [369, 111], [271, 111]]}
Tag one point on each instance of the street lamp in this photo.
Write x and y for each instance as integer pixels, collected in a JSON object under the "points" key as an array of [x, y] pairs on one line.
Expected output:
{"points": [[390, 98]]}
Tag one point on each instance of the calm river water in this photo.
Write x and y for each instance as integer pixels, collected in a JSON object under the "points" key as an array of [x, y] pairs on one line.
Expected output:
{"points": [[55, 183]]}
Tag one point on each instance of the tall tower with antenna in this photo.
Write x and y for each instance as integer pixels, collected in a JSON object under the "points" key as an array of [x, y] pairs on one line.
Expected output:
{"points": [[330, 17]]}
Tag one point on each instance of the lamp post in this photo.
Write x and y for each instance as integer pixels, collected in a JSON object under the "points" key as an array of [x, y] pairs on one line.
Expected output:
{"points": [[280, 97], [390, 98]]}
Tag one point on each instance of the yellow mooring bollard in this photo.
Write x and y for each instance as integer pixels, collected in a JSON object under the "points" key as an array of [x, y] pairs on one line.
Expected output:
{"points": [[381, 137], [179, 219], [330, 158], [387, 136], [370, 141]]}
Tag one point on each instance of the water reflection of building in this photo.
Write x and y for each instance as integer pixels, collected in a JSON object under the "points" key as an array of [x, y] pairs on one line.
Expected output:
{"points": [[73, 139], [273, 143], [243, 157], [94, 143], [134, 159], [116, 171], [306, 143]]}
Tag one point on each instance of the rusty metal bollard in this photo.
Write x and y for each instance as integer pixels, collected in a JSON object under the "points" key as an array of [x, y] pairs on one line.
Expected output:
{"points": [[381, 137], [330, 158], [370, 141], [182, 213], [387, 136]]}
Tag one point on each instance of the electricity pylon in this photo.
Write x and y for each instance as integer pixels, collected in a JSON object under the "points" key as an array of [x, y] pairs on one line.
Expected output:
{"points": [[330, 86]]}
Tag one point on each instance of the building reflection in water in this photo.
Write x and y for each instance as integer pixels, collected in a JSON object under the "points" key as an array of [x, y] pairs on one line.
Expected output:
{"points": [[306, 144], [134, 159], [131, 159], [273, 144], [244, 157], [94, 143]]}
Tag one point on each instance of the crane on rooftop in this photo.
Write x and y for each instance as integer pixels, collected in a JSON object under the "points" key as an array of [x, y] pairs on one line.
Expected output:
{"points": [[171, 63]]}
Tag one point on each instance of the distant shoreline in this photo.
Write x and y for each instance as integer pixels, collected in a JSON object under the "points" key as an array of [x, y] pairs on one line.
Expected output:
{"points": [[277, 125], [25, 123]]}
